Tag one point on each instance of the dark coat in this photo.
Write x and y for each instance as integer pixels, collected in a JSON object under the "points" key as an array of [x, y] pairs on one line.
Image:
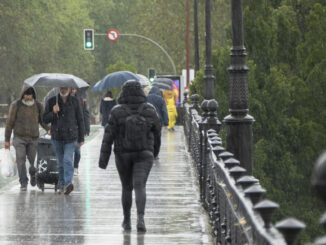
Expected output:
{"points": [[156, 99], [105, 109], [132, 96], [68, 125], [85, 114]]}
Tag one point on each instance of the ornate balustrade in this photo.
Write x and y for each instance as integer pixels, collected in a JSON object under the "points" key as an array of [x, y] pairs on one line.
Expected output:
{"points": [[233, 200]]}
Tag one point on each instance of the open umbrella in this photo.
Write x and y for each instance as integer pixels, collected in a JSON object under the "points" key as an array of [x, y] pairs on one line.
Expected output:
{"points": [[55, 91], [143, 80], [164, 80], [162, 85], [115, 79], [56, 80]]}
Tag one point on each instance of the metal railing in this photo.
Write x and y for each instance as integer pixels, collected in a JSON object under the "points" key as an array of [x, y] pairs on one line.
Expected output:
{"points": [[234, 201]]}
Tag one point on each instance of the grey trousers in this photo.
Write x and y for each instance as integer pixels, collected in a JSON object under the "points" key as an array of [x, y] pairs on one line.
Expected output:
{"points": [[24, 148]]}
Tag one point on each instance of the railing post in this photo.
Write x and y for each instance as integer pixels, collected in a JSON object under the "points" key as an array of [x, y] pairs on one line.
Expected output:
{"points": [[239, 123], [209, 121]]}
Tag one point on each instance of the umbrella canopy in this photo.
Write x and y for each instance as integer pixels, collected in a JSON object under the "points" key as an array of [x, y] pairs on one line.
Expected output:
{"points": [[164, 80], [115, 79], [162, 85], [56, 80], [143, 80], [55, 91]]}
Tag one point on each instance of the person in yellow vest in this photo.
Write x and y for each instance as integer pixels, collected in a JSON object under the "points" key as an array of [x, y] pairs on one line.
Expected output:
{"points": [[170, 98]]}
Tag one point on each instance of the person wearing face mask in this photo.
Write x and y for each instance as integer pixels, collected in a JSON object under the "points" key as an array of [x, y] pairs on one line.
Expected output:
{"points": [[24, 117], [65, 114]]}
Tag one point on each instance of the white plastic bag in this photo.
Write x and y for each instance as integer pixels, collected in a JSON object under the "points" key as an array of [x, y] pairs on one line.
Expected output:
{"points": [[8, 164]]}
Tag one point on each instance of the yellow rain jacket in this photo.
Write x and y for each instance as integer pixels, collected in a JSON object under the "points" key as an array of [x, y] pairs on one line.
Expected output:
{"points": [[170, 98]]}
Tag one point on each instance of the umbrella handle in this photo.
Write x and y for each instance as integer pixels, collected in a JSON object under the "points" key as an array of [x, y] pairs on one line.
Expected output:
{"points": [[57, 104]]}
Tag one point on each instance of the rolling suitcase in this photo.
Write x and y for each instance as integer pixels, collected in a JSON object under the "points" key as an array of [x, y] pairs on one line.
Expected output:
{"points": [[47, 171]]}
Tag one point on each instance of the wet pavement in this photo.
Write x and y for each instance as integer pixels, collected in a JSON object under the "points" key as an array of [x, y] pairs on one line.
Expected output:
{"points": [[92, 213]]}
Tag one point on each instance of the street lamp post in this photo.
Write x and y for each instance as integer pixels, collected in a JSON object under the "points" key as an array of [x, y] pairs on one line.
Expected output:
{"points": [[196, 36], [239, 137], [209, 91]]}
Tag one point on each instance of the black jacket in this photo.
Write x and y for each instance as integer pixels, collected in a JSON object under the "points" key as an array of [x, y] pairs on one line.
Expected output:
{"points": [[68, 125], [132, 96], [85, 111], [156, 99], [105, 109]]}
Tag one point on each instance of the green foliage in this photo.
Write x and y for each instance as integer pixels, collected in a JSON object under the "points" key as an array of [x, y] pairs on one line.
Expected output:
{"points": [[120, 66]]}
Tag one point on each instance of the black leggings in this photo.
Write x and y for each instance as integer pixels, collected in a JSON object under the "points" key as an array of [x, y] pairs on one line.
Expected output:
{"points": [[133, 170]]}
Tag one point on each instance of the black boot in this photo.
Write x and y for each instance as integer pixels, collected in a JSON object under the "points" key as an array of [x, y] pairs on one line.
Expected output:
{"points": [[126, 224], [141, 223], [32, 173]]}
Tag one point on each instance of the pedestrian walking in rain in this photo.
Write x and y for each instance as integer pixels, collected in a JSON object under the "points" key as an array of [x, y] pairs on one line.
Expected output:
{"points": [[170, 98], [25, 115], [155, 98], [107, 103], [86, 120], [65, 114], [134, 128]]}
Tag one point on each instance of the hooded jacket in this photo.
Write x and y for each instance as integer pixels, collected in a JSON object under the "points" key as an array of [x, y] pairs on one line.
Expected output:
{"points": [[68, 125], [106, 106], [132, 96], [156, 99], [24, 120]]}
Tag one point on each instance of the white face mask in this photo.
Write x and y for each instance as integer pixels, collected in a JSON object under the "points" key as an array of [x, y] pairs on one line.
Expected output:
{"points": [[28, 102]]}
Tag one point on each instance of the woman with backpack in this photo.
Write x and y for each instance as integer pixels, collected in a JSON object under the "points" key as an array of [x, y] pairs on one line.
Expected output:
{"points": [[134, 128]]}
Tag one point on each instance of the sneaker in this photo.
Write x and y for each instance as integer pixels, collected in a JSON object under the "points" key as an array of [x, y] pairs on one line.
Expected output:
{"points": [[69, 188], [60, 190], [23, 188], [76, 171], [156, 158]]}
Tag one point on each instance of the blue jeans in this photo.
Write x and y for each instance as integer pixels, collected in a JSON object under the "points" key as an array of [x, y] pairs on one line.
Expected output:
{"points": [[65, 155], [77, 157]]}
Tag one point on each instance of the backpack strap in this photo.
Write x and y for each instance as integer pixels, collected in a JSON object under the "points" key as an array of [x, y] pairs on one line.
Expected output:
{"points": [[38, 104]]}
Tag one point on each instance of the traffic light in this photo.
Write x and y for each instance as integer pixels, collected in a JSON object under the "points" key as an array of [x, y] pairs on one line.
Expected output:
{"points": [[88, 39], [151, 75]]}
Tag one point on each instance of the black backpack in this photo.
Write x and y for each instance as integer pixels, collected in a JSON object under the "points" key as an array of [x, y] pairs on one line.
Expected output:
{"points": [[135, 135]]}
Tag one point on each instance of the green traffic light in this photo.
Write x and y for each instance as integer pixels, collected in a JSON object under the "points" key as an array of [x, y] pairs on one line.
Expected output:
{"points": [[151, 79], [89, 44]]}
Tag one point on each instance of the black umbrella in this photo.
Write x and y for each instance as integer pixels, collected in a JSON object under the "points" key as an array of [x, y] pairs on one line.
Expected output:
{"points": [[162, 85], [164, 80], [56, 80], [115, 79]]}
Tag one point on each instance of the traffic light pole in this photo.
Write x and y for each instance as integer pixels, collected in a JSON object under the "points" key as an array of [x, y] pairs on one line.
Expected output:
{"points": [[148, 39]]}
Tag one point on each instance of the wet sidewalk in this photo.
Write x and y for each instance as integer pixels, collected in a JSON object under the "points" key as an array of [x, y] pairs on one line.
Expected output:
{"points": [[92, 213]]}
